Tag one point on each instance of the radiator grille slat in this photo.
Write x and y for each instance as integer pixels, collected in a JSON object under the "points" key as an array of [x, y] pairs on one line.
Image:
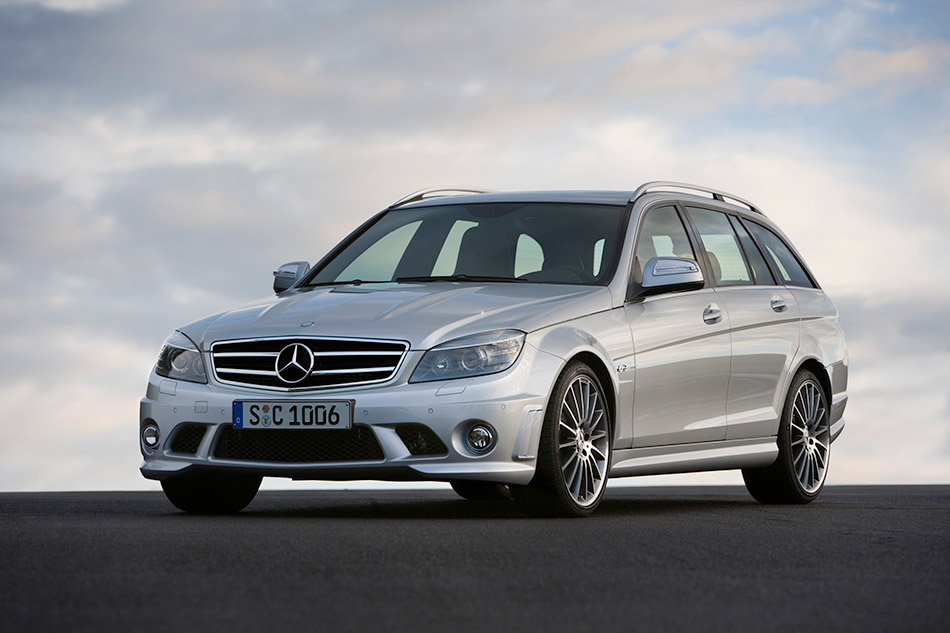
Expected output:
{"points": [[332, 362]]}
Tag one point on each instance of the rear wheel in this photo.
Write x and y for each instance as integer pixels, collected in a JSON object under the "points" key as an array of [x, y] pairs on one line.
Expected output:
{"points": [[212, 493], [481, 490], [804, 448], [574, 451]]}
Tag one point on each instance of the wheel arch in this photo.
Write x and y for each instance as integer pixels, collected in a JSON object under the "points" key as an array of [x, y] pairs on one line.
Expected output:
{"points": [[814, 366], [572, 344], [605, 377]]}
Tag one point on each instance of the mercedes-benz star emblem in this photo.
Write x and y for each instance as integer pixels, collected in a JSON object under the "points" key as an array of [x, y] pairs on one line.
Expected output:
{"points": [[294, 363]]}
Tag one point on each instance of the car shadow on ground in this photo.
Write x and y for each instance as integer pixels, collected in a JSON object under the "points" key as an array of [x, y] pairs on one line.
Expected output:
{"points": [[455, 509]]}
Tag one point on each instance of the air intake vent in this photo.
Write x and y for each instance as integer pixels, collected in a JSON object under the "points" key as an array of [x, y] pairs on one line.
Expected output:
{"points": [[296, 364], [420, 439], [187, 438], [357, 444]]}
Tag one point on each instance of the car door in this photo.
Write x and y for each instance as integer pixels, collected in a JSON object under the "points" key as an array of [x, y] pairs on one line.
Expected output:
{"points": [[764, 322], [681, 346]]}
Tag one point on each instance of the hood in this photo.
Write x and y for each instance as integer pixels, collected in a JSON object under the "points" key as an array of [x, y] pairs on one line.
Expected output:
{"points": [[423, 314]]}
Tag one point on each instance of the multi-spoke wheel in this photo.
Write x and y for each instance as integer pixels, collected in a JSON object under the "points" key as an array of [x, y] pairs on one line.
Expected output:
{"points": [[810, 437], [574, 452], [804, 443]]}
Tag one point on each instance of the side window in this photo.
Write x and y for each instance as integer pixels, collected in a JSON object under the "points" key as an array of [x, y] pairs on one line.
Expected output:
{"points": [[449, 255], [760, 270], [378, 262], [792, 272], [598, 256], [662, 235], [529, 258], [729, 266]]}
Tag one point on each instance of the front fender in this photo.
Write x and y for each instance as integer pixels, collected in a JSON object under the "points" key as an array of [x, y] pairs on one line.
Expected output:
{"points": [[602, 340]]}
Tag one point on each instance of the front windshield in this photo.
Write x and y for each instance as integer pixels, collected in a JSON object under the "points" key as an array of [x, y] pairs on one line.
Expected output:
{"points": [[527, 242]]}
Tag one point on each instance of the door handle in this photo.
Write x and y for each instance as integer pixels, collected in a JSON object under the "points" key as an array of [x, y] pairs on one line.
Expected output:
{"points": [[778, 304], [712, 314]]}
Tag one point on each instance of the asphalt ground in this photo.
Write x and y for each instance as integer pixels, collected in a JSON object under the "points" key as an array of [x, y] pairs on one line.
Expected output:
{"points": [[651, 559]]}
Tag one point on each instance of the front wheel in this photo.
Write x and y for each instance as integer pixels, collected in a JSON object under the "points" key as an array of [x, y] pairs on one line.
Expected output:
{"points": [[212, 493], [804, 448], [574, 451]]}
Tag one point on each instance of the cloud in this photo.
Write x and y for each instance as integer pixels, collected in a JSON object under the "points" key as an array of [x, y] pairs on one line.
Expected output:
{"points": [[69, 5], [159, 159], [699, 72], [888, 73]]}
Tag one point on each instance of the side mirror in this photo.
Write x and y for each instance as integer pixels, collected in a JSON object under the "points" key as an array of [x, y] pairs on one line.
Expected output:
{"points": [[288, 274], [664, 274]]}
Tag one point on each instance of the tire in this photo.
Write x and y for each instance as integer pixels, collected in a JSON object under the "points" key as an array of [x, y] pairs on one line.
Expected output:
{"points": [[804, 448], [574, 450], [211, 493], [481, 490]]}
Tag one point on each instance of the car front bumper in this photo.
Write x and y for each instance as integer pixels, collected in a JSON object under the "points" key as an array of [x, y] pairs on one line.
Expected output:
{"points": [[512, 402]]}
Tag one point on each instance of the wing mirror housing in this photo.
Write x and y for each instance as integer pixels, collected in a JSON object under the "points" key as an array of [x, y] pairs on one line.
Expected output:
{"points": [[288, 274], [668, 274]]}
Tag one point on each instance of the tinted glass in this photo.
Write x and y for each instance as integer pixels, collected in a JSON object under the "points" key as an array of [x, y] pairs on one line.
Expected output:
{"points": [[753, 256], [379, 260], [544, 243], [788, 265], [662, 235], [529, 258], [729, 267]]}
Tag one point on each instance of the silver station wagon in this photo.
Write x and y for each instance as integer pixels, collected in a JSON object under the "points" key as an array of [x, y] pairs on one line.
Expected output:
{"points": [[517, 345]]}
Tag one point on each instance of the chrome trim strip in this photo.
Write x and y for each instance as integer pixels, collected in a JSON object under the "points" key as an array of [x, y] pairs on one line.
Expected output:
{"points": [[317, 354], [246, 354], [310, 337], [355, 370], [249, 372]]}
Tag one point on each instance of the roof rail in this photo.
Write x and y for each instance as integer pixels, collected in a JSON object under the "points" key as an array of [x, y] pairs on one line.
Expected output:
{"points": [[434, 192], [716, 194]]}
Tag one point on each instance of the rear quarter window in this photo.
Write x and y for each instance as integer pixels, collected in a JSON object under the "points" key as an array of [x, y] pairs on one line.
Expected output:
{"points": [[789, 268]]}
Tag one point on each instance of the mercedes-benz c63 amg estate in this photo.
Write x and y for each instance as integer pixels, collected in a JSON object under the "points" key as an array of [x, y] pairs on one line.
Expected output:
{"points": [[528, 344]]}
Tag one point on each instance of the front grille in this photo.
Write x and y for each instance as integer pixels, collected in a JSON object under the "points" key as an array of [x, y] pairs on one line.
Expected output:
{"points": [[357, 444], [293, 364], [420, 439], [187, 438]]}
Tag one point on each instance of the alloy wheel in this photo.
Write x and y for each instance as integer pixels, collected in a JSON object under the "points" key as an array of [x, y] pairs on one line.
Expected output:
{"points": [[583, 441], [810, 437]]}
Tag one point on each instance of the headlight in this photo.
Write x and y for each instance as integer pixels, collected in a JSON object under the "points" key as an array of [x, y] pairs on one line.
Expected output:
{"points": [[477, 355], [181, 360]]}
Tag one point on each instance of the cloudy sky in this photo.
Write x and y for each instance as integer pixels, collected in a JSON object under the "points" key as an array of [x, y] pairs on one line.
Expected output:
{"points": [[159, 159]]}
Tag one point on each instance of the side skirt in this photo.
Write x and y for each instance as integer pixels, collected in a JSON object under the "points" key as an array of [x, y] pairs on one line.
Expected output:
{"points": [[690, 458]]}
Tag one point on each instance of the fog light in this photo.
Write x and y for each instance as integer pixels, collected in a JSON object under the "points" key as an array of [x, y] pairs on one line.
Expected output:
{"points": [[480, 438], [150, 435]]}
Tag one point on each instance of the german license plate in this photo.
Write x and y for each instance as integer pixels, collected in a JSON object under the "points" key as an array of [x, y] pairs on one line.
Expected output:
{"points": [[252, 414]]}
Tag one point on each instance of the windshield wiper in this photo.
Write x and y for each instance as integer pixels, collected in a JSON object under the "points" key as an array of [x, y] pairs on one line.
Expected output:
{"points": [[351, 282], [471, 278]]}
